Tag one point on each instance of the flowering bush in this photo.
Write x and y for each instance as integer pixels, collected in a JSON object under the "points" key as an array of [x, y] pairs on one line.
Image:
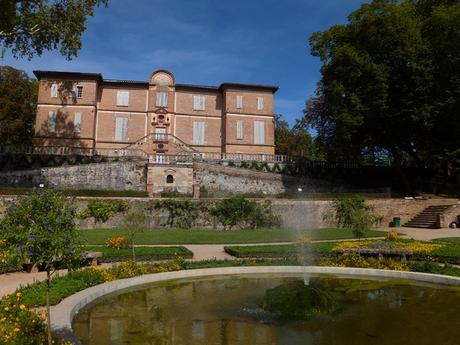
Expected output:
{"points": [[19, 324], [356, 260], [392, 235], [117, 242], [416, 247]]}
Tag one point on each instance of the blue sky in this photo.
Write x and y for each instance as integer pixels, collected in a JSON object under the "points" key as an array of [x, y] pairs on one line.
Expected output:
{"points": [[206, 42]]}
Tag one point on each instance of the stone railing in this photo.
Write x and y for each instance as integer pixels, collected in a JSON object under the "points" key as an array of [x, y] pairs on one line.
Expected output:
{"points": [[160, 158]]}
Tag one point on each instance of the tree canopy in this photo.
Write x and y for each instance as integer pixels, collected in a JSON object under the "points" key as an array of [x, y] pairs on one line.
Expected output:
{"points": [[18, 98], [295, 141], [390, 83], [29, 27]]}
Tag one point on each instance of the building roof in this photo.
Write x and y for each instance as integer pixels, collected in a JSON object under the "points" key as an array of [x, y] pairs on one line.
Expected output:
{"points": [[75, 75], [97, 76]]}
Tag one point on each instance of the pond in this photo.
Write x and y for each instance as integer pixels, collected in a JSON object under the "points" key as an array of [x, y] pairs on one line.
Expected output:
{"points": [[226, 310]]}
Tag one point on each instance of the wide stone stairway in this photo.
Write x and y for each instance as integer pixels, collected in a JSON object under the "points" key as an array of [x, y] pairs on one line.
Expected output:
{"points": [[428, 218]]}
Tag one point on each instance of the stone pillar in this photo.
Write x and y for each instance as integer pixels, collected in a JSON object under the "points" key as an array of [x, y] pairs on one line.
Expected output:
{"points": [[196, 188], [150, 180]]}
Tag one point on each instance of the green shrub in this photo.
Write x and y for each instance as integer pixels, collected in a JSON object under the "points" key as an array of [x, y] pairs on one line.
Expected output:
{"points": [[101, 211], [182, 213], [353, 213], [243, 213]]}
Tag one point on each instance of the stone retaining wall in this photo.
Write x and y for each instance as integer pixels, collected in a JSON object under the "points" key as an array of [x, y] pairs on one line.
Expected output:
{"points": [[295, 214], [224, 180], [100, 176]]}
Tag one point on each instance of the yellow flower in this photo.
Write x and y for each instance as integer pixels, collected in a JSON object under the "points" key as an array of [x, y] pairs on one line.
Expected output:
{"points": [[18, 294], [22, 307], [6, 308]]}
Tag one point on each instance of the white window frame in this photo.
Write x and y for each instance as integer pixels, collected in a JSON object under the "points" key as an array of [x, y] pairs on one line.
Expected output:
{"points": [[239, 129], [77, 122], [121, 133], [199, 102], [161, 99], [260, 103], [52, 118], [198, 138], [122, 98], [54, 90], [239, 102], [79, 91], [259, 132]]}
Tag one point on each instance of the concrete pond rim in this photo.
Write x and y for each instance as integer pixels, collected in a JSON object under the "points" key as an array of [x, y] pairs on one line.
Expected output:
{"points": [[63, 313]]}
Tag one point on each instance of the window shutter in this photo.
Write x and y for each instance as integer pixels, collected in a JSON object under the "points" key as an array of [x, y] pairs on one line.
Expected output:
{"points": [[121, 129], [54, 90], [161, 99], [122, 98], [259, 133], [199, 102], [198, 133], [239, 129], [77, 123], [239, 102], [260, 103], [52, 122]]}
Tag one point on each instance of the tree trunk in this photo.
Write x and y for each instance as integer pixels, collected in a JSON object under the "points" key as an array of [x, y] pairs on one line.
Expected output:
{"points": [[132, 246], [48, 309]]}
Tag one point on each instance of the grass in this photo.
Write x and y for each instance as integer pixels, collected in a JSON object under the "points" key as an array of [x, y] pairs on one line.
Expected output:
{"points": [[142, 253], [185, 236], [455, 240]]}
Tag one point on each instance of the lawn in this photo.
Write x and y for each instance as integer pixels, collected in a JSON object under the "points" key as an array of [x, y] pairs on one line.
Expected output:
{"points": [[142, 253], [455, 240], [185, 236]]}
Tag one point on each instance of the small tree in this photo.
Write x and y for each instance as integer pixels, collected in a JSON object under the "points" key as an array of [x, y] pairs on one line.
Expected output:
{"points": [[353, 213], [40, 227], [133, 223]]}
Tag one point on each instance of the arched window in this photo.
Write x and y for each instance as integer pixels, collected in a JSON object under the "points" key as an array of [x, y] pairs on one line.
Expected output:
{"points": [[170, 179]]}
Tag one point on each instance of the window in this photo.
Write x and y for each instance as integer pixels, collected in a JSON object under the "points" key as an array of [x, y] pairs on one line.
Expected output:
{"points": [[77, 123], [122, 98], [259, 132], [54, 90], [162, 99], [79, 91], [239, 102], [121, 129], [52, 122], [260, 103], [239, 129], [198, 102], [170, 179], [198, 133]]}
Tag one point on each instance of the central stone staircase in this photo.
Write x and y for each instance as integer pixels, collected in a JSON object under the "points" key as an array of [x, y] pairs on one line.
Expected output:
{"points": [[428, 218]]}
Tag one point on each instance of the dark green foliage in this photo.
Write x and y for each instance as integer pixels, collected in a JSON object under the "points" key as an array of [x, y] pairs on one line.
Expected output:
{"points": [[17, 106], [353, 213], [40, 228], [182, 213], [433, 267], [295, 141], [295, 300], [28, 28], [240, 212], [142, 253], [390, 84], [101, 211]]}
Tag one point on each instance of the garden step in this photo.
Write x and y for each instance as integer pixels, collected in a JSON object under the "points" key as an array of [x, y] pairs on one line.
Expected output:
{"points": [[428, 218]]}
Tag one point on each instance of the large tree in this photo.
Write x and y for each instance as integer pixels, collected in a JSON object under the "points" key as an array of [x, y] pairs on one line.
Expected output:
{"points": [[18, 98], [29, 27], [390, 82], [295, 141]]}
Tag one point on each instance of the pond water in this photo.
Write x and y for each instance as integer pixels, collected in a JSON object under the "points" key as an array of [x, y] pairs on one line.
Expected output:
{"points": [[225, 310]]}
